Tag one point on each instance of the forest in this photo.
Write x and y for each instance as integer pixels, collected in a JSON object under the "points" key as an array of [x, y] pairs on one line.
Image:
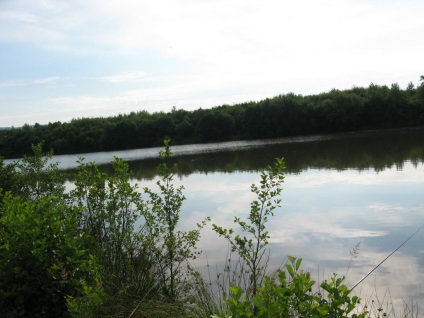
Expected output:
{"points": [[355, 109]]}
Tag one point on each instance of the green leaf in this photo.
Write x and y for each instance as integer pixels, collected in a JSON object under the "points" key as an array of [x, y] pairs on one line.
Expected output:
{"points": [[290, 270], [299, 261], [326, 287], [237, 291]]}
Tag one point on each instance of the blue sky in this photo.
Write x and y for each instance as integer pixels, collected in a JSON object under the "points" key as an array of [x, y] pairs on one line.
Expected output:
{"points": [[76, 58]]}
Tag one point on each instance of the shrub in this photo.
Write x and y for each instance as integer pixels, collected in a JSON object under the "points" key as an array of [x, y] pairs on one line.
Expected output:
{"points": [[291, 295], [251, 248], [45, 267], [169, 247]]}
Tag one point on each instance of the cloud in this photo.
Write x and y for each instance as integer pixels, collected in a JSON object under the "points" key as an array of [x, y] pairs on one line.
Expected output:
{"points": [[18, 16], [18, 24], [79, 103], [47, 80], [248, 39], [253, 36], [124, 77], [11, 83], [241, 33]]}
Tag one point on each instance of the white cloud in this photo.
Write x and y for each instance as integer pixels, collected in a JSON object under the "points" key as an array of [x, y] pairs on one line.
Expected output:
{"points": [[80, 103], [18, 16], [21, 25], [254, 38], [124, 77], [288, 36], [47, 80], [11, 83]]}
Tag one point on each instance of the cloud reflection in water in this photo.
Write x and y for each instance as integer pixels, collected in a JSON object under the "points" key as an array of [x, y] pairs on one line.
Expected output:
{"points": [[324, 214]]}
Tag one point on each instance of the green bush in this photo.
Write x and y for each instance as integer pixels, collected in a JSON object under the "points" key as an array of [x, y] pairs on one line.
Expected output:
{"points": [[292, 296], [111, 213], [45, 268]]}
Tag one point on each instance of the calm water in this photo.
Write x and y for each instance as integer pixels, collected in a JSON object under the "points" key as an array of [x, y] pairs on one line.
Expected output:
{"points": [[339, 190]]}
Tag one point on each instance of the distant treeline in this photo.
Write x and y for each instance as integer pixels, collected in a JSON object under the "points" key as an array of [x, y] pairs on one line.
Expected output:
{"points": [[375, 107]]}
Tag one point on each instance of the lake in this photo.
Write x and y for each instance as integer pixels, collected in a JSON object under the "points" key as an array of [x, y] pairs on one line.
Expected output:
{"points": [[340, 190]]}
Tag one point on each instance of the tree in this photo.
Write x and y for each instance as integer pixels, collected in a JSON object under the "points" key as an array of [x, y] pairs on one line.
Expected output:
{"points": [[8, 176], [215, 126], [38, 177]]}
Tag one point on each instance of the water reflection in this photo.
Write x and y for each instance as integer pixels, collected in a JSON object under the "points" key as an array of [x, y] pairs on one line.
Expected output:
{"points": [[323, 221], [360, 151]]}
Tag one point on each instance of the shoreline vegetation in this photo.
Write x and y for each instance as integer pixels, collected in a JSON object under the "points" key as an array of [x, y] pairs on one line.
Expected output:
{"points": [[100, 250], [357, 109]]}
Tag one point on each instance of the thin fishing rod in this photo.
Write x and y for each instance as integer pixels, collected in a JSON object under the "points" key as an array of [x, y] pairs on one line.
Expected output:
{"points": [[363, 278]]}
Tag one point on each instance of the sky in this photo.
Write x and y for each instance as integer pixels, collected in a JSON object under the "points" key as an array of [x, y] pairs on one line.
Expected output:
{"points": [[65, 59]]}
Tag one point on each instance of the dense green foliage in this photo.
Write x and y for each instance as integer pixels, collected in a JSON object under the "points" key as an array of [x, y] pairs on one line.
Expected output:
{"points": [[375, 107], [46, 269]]}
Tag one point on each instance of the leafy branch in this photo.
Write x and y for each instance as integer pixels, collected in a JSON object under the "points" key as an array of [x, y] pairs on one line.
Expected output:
{"points": [[170, 248], [251, 248]]}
